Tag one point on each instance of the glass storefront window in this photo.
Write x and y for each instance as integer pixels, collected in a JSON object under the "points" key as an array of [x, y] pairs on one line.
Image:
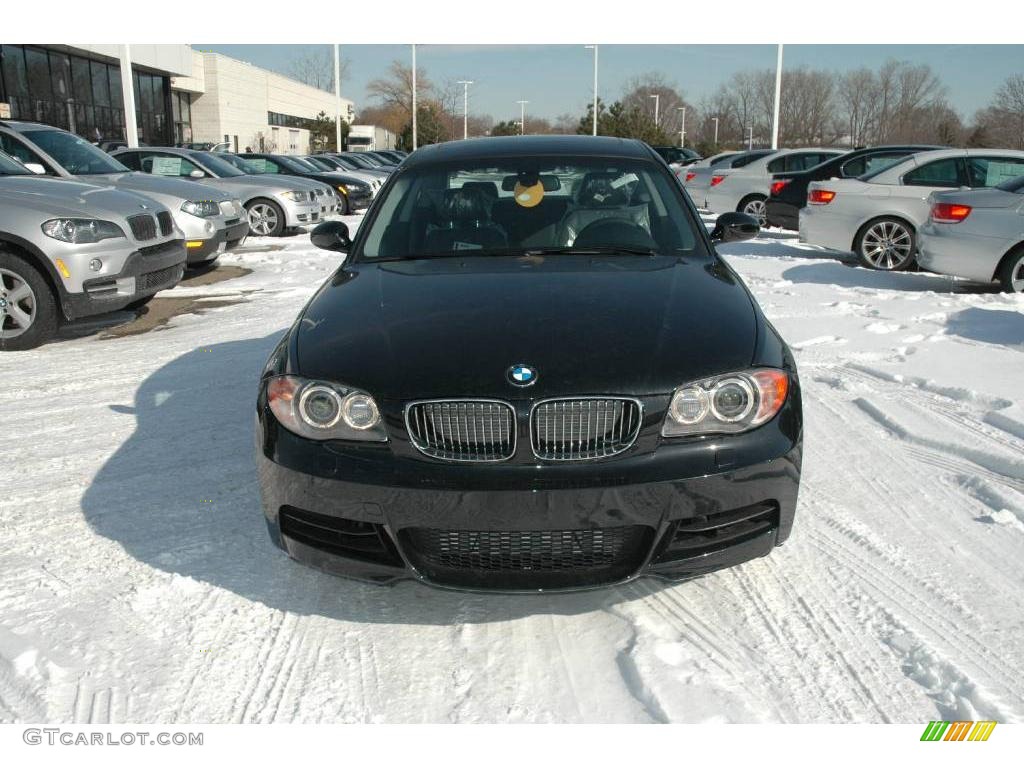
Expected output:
{"points": [[84, 95]]}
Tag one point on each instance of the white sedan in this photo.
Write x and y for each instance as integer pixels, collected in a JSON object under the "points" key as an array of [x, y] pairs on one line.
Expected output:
{"points": [[746, 187], [878, 216]]}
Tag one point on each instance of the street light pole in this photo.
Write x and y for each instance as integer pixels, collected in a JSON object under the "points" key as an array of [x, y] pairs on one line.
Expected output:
{"points": [[716, 131], [414, 142], [337, 99], [131, 128], [656, 98], [522, 116], [750, 138], [465, 107], [595, 85], [778, 92], [682, 128]]}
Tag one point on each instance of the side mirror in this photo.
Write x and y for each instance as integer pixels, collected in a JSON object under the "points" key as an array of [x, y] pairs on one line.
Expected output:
{"points": [[36, 168], [734, 226], [331, 236], [197, 174]]}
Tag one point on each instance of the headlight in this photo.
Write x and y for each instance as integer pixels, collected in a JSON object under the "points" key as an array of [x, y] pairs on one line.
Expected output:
{"points": [[81, 230], [734, 402], [296, 196], [239, 208], [321, 410], [204, 209]]}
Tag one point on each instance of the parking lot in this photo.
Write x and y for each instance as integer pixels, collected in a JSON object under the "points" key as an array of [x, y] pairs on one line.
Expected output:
{"points": [[139, 583]]}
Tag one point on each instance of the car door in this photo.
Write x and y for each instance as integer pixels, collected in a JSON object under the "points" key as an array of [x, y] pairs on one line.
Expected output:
{"points": [[910, 196]]}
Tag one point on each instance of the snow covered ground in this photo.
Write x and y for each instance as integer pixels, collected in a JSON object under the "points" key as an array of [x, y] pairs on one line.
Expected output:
{"points": [[137, 582]]}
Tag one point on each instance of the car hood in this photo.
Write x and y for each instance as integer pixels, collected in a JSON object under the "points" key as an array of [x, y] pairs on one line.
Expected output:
{"points": [[452, 327], [241, 185], [57, 197], [171, 192], [288, 182]]}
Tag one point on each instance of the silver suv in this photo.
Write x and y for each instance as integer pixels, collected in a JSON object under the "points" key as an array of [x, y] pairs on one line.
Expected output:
{"points": [[211, 220], [272, 204], [69, 249]]}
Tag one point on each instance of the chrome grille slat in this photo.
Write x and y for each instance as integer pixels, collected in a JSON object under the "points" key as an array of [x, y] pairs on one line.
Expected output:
{"points": [[577, 429], [462, 430]]}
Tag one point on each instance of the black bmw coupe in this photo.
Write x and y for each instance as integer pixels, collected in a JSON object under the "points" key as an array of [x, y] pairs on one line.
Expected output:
{"points": [[531, 372]]}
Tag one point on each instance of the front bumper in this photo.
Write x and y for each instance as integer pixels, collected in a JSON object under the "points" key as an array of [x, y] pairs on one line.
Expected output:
{"points": [[202, 251], [691, 507], [782, 215], [145, 272], [306, 212], [358, 201]]}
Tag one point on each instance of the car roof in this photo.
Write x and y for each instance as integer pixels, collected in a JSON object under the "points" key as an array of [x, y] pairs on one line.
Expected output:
{"points": [[890, 173], [24, 125], [528, 146]]}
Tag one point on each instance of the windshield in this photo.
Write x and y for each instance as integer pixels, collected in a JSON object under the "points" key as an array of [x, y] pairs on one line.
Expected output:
{"points": [[320, 165], [11, 167], [362, 162], [532, 206], [218, 164], [746, 158], [240, 163], [75, 155], [295, 165]]}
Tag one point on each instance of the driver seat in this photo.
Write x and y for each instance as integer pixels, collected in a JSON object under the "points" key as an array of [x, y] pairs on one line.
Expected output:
{"points": [[596, 199], [465, 224]]}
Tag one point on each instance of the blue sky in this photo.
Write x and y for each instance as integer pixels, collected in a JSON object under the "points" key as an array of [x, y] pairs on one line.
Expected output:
{"points": [[558, 78]]}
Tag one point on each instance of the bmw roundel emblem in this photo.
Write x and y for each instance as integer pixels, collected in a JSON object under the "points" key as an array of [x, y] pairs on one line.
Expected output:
{"points": [[521, 375]]}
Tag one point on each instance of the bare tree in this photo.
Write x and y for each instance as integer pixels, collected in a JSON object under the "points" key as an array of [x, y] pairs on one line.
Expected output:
{"points": [[316, 68], [395, 89], [1002, 122], [857, 97]]}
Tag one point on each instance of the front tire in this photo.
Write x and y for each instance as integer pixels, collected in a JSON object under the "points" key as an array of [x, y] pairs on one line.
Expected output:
{"points": [[28, 309], [755, 205], [1011, 271], [887, 244], [266, 219]]}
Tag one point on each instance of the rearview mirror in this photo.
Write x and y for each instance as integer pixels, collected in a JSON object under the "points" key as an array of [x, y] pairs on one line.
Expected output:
{"points": [[734, 226], [331, 236], [197, 174], [36, 168]]}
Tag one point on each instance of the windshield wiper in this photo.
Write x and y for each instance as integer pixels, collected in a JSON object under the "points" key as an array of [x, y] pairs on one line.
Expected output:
{"points": [[596, 250]]}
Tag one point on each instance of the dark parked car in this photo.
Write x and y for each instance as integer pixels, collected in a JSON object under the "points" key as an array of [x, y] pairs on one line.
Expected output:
{"points": [[355, 195], [678, 155], [789, 190], [532, 371], [368, 162], [391, 154]]}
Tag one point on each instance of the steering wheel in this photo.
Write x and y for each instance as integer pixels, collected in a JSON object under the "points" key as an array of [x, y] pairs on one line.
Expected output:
{"points": [[614, 232]]}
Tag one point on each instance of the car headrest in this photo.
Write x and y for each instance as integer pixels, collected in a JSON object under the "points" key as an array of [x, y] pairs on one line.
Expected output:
{"points": [[466, 205], [489, 188]]}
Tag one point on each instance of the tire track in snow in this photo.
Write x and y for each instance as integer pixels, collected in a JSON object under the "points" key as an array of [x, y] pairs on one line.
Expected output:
{"points": [[918, 614]]}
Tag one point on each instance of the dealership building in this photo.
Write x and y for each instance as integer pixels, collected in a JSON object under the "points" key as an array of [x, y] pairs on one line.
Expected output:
{"points": [[182, 96]]}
